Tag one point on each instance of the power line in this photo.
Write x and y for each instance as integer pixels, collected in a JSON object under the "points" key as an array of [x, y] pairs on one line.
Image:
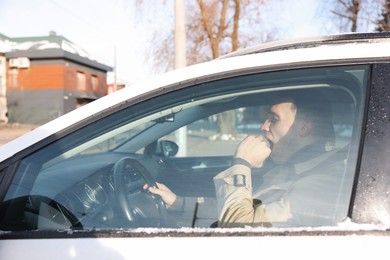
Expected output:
{"points": [[75, 15]]}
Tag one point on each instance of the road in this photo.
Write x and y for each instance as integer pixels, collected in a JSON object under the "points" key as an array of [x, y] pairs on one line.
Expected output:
{"points": [[198, 144]]}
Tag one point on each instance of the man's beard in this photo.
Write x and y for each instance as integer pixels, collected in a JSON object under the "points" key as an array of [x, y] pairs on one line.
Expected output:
{"points": [[286, 146]]}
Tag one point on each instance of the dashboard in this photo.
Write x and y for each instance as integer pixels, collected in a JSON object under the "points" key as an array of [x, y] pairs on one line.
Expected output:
{"points": [[89, 196]]}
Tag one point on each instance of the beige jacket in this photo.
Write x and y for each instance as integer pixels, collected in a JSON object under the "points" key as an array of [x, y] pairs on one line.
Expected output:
{"points": [[308, 199]]}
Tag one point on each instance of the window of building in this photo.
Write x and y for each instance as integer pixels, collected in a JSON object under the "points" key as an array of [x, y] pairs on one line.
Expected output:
{"points": [[13, 77], [95, 82], [81, 82]]}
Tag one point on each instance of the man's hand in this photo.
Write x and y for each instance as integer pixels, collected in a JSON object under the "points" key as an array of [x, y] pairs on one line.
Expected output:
{"points": [[166, 194], [254, 150]]}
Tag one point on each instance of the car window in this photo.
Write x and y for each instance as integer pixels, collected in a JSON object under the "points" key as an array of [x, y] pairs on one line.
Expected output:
{"points": [[225, 130], [95, 177]]}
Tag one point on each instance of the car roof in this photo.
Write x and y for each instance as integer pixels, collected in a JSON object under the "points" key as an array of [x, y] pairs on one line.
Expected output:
{"points": [[310, 42], [282, 54]]}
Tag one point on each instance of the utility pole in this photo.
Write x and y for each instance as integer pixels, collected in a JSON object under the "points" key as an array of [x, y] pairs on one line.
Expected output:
{"points": [[180, 62], [180, 35], [115, 69], [3, 90]]}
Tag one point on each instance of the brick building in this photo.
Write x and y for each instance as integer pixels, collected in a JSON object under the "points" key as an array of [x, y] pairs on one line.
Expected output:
{"points": [[3, 100], [49, 76]]}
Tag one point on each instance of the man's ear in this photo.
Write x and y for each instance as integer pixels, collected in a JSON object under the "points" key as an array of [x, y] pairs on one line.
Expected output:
{"points": [[307, 128]]}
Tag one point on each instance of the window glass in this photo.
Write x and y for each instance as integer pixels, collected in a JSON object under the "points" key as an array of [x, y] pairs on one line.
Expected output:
{"points": [[13, 77], [81, 81], [97, 177], [94, 82]]}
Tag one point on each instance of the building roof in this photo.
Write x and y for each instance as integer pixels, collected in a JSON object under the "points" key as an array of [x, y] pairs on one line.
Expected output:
{"points": [[3, 37], [52, 37], [48, 47]]}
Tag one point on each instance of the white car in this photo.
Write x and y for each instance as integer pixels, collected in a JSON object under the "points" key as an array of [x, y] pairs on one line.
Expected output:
{"points": [[74, 188]]}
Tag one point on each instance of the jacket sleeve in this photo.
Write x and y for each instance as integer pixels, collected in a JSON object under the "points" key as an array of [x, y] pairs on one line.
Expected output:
{"points": [[236, 208]]}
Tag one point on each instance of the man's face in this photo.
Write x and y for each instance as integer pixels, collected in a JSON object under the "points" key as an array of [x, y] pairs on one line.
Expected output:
{"points": [[280, 119], [280, 131]]}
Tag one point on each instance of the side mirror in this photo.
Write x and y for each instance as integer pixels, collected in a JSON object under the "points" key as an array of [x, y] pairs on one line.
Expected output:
{"points": [[168, 148], [163, 148]]}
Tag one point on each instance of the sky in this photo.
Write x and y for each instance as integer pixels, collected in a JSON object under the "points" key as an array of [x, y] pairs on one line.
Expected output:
{"points": [[117, 34], [104, 28]]}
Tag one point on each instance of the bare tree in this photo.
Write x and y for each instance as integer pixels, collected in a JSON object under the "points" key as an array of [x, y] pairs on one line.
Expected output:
{"points": [[218, 26], [360, 15], [348, 10], [383, 24], [215, 23], [213, 29]]}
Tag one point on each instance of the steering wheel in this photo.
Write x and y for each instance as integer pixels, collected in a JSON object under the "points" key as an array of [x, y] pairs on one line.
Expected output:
{"points": [[129, 178]]}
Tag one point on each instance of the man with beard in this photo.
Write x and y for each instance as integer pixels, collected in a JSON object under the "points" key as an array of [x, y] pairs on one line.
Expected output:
{"points": [[296, 188]]}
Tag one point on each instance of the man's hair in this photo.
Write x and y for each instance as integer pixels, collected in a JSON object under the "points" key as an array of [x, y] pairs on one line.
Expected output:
{"points": [[313, 105]]}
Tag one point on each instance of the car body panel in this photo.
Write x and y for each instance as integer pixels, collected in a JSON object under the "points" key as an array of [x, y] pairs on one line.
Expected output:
{"points": [[374, 170], [358, 245]]}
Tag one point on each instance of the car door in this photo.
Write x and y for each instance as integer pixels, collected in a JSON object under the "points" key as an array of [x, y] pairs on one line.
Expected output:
{"points": [[67, 189]]}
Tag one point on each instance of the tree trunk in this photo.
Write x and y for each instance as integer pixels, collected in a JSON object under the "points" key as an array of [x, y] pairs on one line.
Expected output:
{"points": [[384, 22], [354, 14], [226, 120]]}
